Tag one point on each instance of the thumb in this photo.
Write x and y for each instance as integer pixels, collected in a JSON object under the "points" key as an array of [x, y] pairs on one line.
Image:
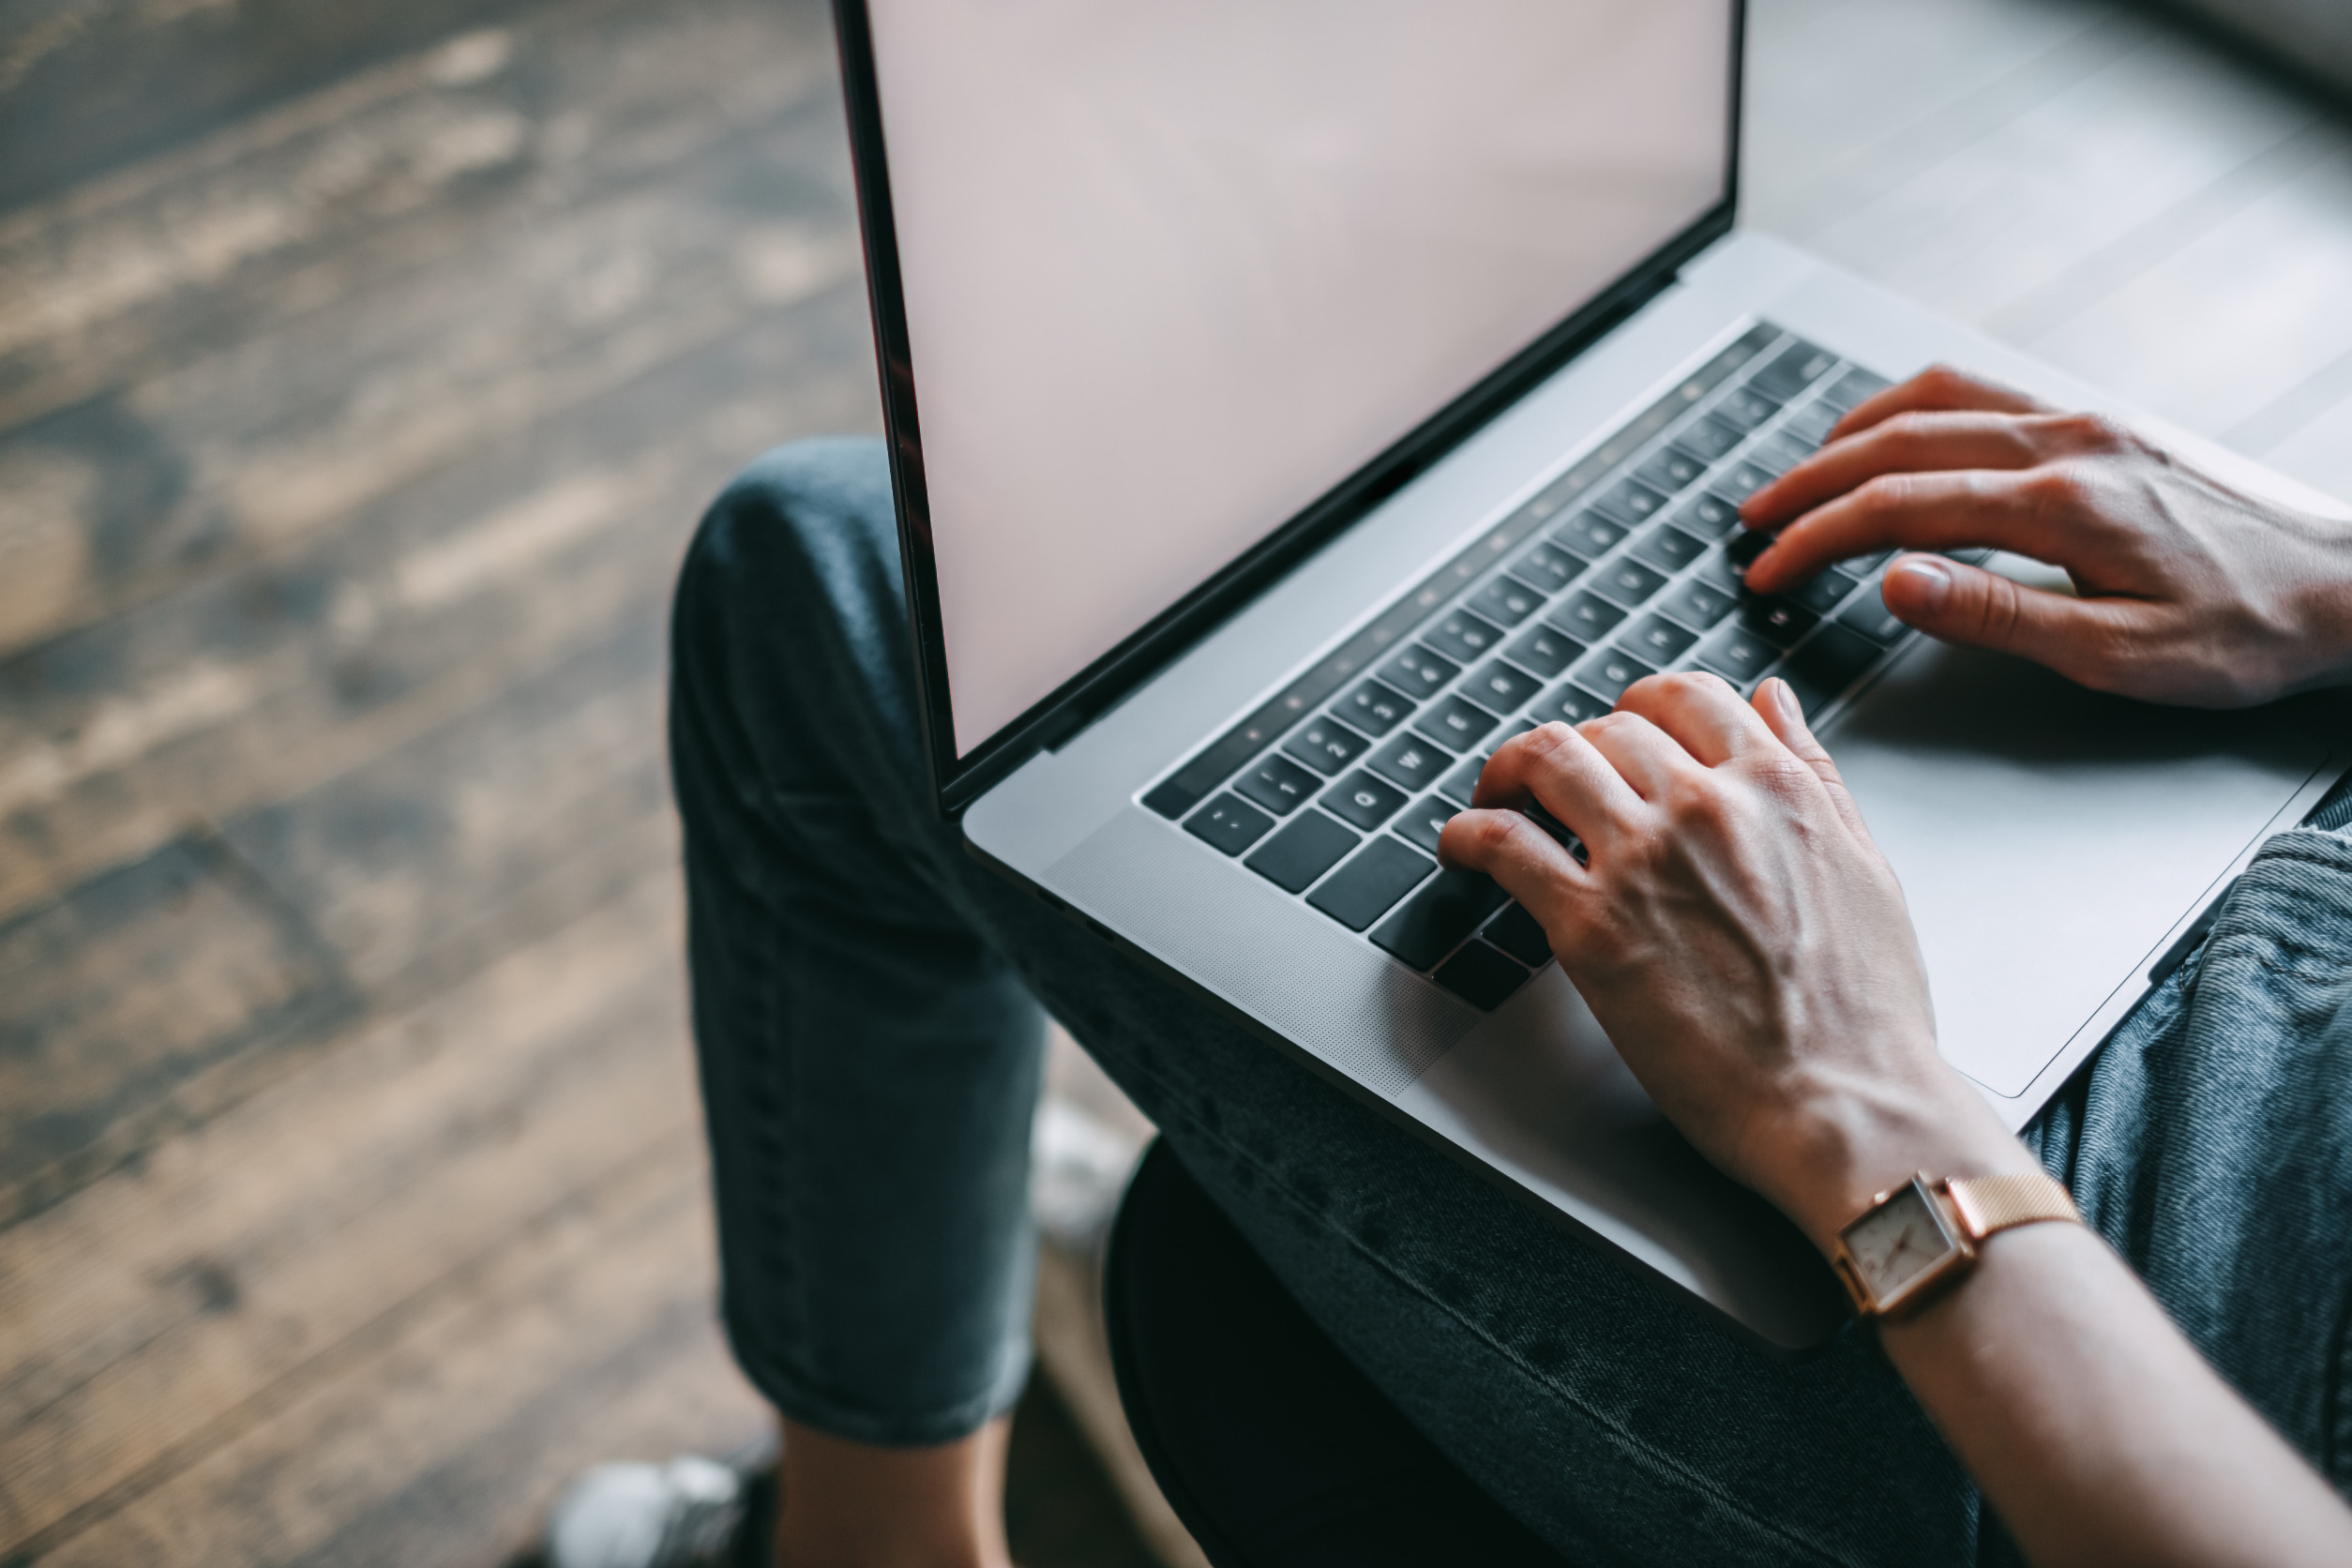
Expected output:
{"points": [[1961, 603], [1777, 705]]}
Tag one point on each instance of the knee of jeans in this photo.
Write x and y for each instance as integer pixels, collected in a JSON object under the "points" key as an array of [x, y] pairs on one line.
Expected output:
{"points": [[810, 518]]}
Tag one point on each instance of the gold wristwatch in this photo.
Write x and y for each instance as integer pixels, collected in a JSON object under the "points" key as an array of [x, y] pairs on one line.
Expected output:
{"points": [[1922, 1236]]}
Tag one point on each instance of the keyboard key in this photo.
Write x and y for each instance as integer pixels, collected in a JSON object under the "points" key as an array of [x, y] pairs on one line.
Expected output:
{"points": [[1668, 548], [1667, 470], [1777, 621], [1325, 745], [1739, 481], [1849, 390], [1814, 422], [1825, 592], [1738, 655], [1710, 516], [1588, 535], [1607, 671], [1362, 891], [1519, 934], [1462, 783], [1430, 923], [1278, 784], [1411, 762], [1544, 650], [1658, 639], [1549, 567], [1568, 703], [1463, 636], [1709, 438], [1375, 709], [1793, 370], [1699, 605], [1869, 615], [1722, 569], [1425, 820], [1744, 547], [1228, 824], [1628, 582], [1747, 408], [1454, 723], [1363, 800], [1481, 977], [1586, 617], [1506, 601], [1629, 501], [1828, 664], [1501, 687], [1419, 673], [1304, 851], [1778, 453]]}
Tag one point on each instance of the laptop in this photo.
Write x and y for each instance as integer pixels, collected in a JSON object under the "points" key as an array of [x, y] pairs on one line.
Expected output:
{"points": [[1288, 404]]}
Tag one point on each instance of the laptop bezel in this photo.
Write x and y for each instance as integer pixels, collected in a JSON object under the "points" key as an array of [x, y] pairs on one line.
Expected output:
{"points": [[959, 779]]}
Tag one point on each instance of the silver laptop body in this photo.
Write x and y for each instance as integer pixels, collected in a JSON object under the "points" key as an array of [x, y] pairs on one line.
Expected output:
{"points": [[1237, 782]]}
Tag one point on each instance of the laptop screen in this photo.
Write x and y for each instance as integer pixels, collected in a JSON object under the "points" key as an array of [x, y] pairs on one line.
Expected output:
{"points": [[1173, 269]]}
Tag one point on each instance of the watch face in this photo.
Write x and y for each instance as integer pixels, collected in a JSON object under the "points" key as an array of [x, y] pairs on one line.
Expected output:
{"points": [[1899, 1241]]}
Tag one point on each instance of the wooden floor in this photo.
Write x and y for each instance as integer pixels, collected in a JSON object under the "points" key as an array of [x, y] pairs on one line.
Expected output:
{"points": [[357, 395]]}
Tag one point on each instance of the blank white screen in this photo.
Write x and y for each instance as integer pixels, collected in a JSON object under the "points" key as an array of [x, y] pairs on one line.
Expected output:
{"points": [[1173, 268]]}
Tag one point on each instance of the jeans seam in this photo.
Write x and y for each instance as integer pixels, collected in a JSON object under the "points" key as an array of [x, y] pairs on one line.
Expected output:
{"points": [[1634, 1443]]}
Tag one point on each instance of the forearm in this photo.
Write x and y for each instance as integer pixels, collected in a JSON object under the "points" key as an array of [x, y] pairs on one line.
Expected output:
{"points": [[2096, 1431]]}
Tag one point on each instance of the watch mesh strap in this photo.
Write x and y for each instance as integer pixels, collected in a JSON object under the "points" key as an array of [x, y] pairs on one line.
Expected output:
{"points": [[1990, 1203]]}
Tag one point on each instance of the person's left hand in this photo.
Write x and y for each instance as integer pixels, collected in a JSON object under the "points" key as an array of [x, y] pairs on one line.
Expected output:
{"points": [[1741, 939]]}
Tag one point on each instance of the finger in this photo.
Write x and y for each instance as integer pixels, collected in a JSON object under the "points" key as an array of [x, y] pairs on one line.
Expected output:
{"points": [[1907, 444], [1645, 756], [1966, 604], [1938, 388], [1777, 705], [1924, 511], [1699, 712], [1528, 863], [1558, 769]]}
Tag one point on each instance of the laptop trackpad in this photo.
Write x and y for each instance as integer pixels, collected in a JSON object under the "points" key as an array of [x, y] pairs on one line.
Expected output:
{"points": [[2049, 837]]}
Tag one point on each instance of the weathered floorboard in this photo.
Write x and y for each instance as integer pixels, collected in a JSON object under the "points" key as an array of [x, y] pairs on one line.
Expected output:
{"points": [[352, 449], [248, 686], [212, 364], [142, 978], [89, 84], [145, 1314], [440, 1439]]}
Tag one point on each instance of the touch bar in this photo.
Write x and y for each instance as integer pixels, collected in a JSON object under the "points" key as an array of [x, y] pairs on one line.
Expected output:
{"points": [[1191, 783]]}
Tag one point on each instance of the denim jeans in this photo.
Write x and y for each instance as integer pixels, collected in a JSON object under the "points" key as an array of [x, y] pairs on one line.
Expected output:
{"points": [[867, 1008]]}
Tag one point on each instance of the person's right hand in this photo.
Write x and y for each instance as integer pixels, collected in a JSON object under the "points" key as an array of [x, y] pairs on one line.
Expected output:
{"points": [[1739, 938], [2186, 590]]}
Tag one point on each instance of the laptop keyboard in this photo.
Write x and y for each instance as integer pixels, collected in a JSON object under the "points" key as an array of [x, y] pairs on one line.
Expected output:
{"points": [[1626, 565]]}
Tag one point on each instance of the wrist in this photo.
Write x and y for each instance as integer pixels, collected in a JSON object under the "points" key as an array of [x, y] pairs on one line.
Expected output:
{"points": [[1850, 1142], [2320, 648]]}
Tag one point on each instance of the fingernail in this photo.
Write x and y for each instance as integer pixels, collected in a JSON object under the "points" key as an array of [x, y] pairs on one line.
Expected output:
{"points": [[1929, 580], [1785, 699]]}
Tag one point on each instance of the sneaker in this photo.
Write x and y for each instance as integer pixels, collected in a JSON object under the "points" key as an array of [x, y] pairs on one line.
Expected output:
{"points": [[690, 1513]]}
